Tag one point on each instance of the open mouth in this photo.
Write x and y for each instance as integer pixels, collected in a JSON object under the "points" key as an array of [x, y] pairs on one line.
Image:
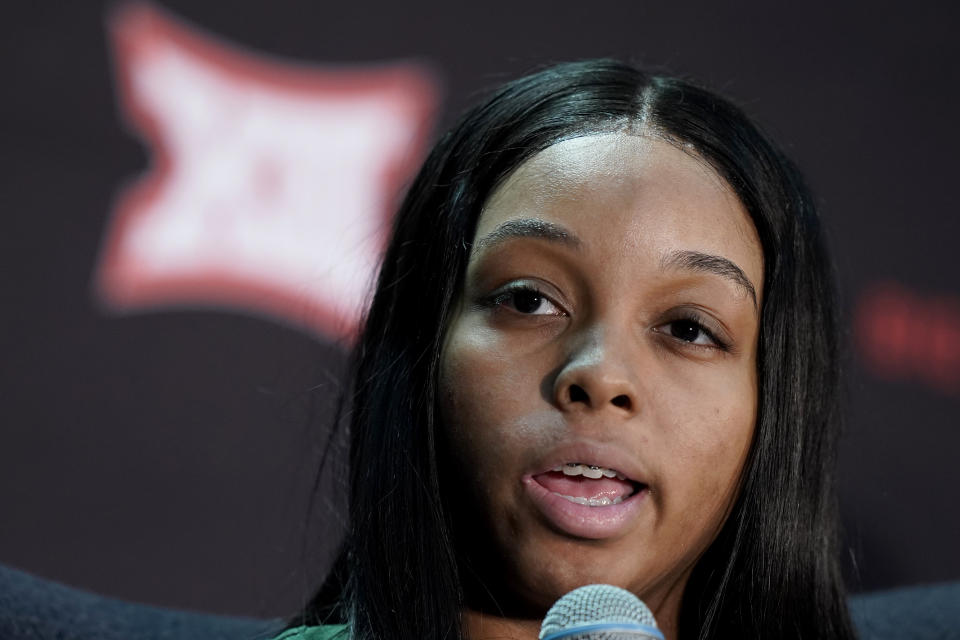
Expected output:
{"points": [[588, 485]]}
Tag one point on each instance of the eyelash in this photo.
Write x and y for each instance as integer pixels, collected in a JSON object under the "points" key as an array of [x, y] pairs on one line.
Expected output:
{"points": [[699, 322], [505, 295], [501, 297]]}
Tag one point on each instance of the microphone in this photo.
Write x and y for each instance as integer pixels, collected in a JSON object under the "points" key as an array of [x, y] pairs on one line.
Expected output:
{"points": [[599, 612]]}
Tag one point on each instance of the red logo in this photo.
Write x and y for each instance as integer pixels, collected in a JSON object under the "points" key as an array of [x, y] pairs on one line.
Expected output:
{"points": [[904, 335], [271, 185]]}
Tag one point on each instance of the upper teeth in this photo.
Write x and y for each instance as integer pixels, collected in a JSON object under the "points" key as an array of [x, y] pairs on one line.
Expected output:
{"points": [[589, 470]]}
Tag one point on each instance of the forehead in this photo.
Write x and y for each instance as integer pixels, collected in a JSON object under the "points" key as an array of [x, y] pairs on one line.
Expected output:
{"points": [[631, 195]]}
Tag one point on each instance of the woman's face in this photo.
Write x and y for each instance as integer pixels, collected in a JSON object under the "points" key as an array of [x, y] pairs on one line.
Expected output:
{"points": [[598, 383]]}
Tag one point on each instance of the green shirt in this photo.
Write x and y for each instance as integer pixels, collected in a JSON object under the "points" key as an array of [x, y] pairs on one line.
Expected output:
{"points": [[326, 632]]}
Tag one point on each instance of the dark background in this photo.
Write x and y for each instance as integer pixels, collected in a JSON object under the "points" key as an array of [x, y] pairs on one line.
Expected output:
{"points": [[169, 457]]}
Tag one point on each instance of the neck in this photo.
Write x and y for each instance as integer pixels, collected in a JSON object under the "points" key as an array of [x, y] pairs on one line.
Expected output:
{"points": [[484, 626]]}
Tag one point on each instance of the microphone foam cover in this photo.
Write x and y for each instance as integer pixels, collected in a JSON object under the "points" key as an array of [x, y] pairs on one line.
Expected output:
{"points": [[599, 611]]}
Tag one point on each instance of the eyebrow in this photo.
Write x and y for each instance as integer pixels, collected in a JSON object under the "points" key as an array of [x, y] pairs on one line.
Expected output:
{"points": [[528, 228], [707, 263], [680, 259]]}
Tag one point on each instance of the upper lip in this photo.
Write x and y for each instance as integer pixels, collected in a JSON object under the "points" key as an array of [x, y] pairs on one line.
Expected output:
{"points": [[609, 455]]}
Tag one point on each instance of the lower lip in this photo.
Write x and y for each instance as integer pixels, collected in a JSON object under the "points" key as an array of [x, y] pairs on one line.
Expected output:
{"points": [[584, 521]]}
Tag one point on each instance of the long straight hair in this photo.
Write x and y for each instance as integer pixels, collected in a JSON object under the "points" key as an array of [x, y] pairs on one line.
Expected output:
{"points": [[773, 569]]}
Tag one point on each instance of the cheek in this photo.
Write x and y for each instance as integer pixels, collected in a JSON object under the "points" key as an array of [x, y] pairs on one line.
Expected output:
{"points": [[716, 439], [482, 394], [709, 440]]}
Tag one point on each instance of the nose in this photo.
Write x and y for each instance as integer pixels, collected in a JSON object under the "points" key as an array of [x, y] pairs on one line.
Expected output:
{"points": [[597, 376]]}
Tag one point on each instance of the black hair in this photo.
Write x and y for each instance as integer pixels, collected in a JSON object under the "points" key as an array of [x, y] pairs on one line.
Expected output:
{"points": [[773, 570]]}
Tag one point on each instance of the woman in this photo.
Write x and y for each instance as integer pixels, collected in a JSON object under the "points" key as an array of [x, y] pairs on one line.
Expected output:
{"points": [[601, 349]]}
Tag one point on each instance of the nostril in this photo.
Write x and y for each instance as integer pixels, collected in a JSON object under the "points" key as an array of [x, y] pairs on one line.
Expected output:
{"points": [[621, 401], [578, 394]]}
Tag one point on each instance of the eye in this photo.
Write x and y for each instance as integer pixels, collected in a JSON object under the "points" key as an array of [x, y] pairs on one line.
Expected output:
{"points": [[691, 330], [525, 299]]}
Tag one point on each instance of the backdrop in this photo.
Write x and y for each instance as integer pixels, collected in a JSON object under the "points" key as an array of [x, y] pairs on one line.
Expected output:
{"points": [[194, 194]]}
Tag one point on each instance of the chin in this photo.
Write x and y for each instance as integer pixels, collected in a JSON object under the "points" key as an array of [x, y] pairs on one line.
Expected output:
{"points": [[551, 575]]}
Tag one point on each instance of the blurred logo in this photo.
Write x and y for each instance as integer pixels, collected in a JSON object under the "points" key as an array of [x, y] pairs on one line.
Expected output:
{"points": [[903, 335], [271, 185]]}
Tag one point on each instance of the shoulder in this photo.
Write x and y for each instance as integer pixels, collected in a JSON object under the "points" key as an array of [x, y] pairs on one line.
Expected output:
{"points": [[325, 632]]}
